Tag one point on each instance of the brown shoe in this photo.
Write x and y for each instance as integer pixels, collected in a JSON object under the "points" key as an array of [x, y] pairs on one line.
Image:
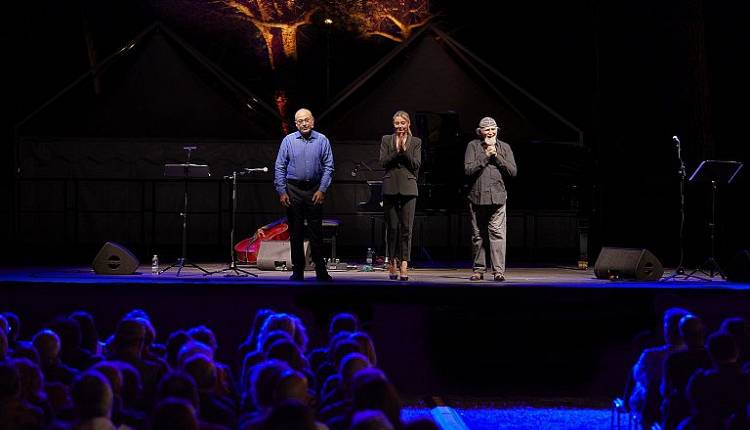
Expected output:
{"points": [[476, 276]]}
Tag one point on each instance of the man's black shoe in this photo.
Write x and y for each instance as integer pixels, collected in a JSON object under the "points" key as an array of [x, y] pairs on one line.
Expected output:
{"points": [[297, 276], [323, 276]]}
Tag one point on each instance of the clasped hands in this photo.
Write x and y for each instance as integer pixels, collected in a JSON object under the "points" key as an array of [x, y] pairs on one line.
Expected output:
{"points": [[489, 147], [400, 145]]}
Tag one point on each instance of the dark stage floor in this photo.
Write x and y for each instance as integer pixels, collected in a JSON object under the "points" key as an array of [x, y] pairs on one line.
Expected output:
{"points": [[558, 276]]}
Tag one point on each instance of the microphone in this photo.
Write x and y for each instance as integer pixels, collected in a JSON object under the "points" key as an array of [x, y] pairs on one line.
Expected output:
{"points": [[676, 139], [256, 169], [355, 170]]}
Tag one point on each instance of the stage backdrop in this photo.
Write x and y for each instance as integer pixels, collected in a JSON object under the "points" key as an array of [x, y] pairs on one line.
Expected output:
{"points": [[91, 158]]}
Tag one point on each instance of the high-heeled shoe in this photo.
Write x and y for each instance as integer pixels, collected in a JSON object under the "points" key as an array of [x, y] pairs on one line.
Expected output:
{"points": [[403, 276], [392, 275]]}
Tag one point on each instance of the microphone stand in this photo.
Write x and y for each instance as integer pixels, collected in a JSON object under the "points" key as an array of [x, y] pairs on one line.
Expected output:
{"points": [[680, 270], [233, 262]]}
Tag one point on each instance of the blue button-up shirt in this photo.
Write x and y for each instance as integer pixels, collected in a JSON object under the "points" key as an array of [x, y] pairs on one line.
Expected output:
{"points": [[304, 159]]}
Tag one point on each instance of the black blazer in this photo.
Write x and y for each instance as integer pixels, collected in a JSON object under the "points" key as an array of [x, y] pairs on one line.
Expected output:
{"points": [[401, 169]]}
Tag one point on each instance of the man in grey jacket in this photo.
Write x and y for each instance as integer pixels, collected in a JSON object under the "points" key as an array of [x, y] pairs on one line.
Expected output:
{"points": [[487, 162]]}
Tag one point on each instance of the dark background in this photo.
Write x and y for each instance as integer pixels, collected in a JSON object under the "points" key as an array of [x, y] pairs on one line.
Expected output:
{"points": [[629, 74]]}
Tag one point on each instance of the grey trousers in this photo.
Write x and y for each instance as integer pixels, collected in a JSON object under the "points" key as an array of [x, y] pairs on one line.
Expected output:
{"points": [[488, 237]]}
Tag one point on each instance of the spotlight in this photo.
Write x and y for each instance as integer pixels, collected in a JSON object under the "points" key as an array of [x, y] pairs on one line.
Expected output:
{"points": [[328, 21]]}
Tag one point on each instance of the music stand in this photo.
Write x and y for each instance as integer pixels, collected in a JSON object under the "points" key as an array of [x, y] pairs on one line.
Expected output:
{"points": [[185, 171], [233, 262], [715, 172]]}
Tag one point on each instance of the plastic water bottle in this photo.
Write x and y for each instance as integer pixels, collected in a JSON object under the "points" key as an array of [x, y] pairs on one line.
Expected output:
{"points": [[368, 260], [155, 265]]}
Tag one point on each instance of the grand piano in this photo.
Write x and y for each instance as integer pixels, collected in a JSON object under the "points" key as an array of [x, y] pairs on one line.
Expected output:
{"points": [[375, 201]]}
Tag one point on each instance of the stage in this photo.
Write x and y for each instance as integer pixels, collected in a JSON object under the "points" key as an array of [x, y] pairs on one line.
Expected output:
{"points": [[432, 277], [553, 331]]}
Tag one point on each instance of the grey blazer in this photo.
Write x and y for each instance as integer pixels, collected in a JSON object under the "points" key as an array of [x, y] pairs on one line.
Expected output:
{"points": [[486, 174], [401, 169]]}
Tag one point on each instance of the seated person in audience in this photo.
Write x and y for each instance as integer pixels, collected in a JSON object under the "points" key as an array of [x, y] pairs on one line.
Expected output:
{"points": [[647, 373], [72, 352], [175, 342], [191, 349], [290, 385], [340, 322], [4, 350], [47, 344], [739, 328], [287, 351], [132, 387], [740, 420], [718, 393], [13, 332], [332, 390], [15, 412], [152, 351], [121, 414], [127, 346], [215, 408], [92, 401], [251, 360], [174, 414], [330, 365], [679, 367], [89, 333], [371, 390], [180, 385], [4, 325], [288, 323], [370, 420], [258, 399], [251, 341], [32, 386], [225, 386], [343, 322], [290, 414], [366, 345], [338, 405]]}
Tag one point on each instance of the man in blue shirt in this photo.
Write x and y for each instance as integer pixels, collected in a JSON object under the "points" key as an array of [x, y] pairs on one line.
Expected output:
{"points": [[303, 173]]}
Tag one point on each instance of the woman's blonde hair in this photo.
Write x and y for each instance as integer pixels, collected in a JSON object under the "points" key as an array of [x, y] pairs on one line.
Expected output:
{"points": [[404, 115]]}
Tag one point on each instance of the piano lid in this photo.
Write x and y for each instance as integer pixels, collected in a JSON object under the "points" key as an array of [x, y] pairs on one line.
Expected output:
{"points": [[375, 202]]}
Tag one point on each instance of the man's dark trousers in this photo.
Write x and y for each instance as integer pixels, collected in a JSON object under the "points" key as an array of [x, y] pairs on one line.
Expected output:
{"points": [[301, 207]]}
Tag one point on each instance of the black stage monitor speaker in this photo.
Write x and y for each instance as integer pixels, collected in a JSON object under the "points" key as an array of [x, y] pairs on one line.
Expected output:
{"points": [[628, 263], [739, 268], [115, 259], [277, 255]]}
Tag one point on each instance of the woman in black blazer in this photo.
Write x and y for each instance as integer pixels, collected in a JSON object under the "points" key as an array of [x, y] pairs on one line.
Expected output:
{"points": [[400, 155]]}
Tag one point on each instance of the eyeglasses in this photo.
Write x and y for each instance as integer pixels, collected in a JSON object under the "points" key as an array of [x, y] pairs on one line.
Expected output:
{"points": [[303, 121]]}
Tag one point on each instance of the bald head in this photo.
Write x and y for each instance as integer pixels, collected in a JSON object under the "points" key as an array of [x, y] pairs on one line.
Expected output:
{"points": [[304, 121]]}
